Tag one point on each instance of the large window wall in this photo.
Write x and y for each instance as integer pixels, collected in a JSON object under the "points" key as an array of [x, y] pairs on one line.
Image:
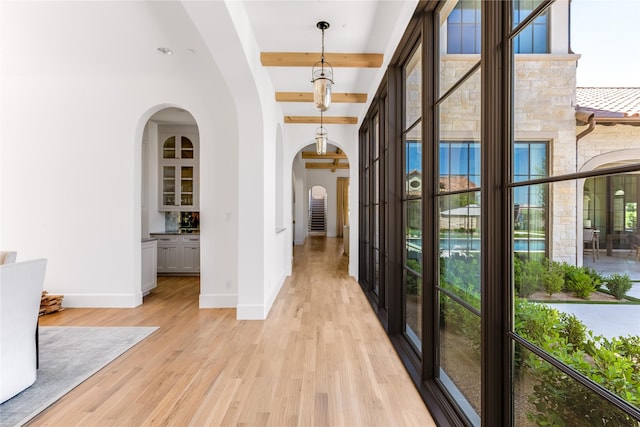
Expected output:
{"points": [[484, 194]]}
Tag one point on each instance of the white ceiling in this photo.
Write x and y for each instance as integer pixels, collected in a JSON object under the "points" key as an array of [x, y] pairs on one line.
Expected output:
{"points": [[363, 26], [360, 26], [95, 38]]}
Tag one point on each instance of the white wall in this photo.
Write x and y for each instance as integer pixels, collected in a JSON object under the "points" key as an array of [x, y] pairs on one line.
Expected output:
{"points": [[299, 210], [263, 258], [74, 109], [73, 113]]}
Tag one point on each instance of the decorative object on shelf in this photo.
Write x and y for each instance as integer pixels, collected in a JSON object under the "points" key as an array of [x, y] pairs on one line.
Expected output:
{"points": [[322, 77], [321, 139]]}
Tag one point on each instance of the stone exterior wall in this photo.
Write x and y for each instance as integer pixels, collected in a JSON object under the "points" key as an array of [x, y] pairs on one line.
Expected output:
{"points": [[545, 91], [603, 140], [544, 100], [544, 88]]}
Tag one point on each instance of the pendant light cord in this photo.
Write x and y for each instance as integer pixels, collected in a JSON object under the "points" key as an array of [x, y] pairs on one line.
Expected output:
{"points": [[322, 55]]}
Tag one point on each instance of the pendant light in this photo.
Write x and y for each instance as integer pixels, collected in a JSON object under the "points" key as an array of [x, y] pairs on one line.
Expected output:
{"points": [[321, 139], [322, 77]]}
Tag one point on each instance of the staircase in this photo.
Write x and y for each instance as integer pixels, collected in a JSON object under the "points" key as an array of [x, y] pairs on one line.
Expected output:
{"points": [[318, 216]]}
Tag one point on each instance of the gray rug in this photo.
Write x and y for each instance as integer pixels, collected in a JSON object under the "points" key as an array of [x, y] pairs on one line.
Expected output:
{"points": [[68, 356]]}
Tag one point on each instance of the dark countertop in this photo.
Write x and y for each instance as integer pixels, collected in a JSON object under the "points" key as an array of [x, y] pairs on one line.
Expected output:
{"points": [[175, 233]]}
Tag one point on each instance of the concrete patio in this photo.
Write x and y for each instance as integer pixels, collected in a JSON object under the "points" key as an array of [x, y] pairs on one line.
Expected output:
{"points": [[610, 320]]}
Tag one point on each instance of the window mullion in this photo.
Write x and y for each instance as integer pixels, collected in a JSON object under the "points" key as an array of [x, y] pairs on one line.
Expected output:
{"points": [[495, 243]]}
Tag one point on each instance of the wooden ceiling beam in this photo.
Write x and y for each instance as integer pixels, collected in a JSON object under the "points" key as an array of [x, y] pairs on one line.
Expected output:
{"points": [[359, 98], [326, 166], [332, 120], [307, 59], [314, 155], [336, 162]]}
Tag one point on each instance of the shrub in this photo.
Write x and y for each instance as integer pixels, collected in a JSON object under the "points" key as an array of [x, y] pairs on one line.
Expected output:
{"points": [[569, 272], [580, 283], [573, 330], [618, 285], [531, 275], [598, 279], [553, 279], [557, 399]]}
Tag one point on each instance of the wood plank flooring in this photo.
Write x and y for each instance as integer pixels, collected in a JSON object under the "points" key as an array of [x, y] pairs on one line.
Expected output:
{"points": [[321, 358]]}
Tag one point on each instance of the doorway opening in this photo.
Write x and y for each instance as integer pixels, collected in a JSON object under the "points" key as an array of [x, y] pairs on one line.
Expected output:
{"points": [[170, 214], [317, 211]]}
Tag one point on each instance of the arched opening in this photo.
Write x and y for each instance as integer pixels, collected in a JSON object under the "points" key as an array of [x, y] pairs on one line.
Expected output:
{"points": [[317, 211], [321, 196], [169, 209], [609, 209]]}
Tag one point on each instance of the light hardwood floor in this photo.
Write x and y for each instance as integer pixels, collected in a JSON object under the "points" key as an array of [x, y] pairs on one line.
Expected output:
{"points": [[321, 358]]}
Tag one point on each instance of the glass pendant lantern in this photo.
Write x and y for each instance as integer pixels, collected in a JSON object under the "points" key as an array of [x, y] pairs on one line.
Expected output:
{"points": [[321, 139], [322, 77]]}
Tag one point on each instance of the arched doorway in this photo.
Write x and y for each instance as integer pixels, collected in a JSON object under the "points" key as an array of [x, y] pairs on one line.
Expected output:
{"points": [[309, 169], [317, 211], [609, 205], [170, 213]]}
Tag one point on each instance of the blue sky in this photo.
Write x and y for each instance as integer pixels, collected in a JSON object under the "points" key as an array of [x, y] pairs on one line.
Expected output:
{"points": [[606, 33]]}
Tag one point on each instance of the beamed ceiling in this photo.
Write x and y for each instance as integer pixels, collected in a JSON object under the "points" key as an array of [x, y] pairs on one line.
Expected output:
{"points": [[358, 44], [361, 39]]}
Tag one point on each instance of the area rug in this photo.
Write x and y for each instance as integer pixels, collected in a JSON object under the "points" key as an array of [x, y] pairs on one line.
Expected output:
{"points": [[68, 356]]}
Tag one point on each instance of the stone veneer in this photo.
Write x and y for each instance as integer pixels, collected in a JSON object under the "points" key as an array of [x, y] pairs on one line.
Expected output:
{"points": [[545, 91], [544, 111]]}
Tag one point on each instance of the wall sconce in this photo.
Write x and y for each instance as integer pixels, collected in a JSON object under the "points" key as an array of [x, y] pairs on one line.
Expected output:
{"points": [[322, 77]]}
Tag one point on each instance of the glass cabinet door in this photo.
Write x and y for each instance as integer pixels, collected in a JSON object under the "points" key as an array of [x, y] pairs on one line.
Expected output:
{"points": [[186, 186], [178, 172], [168, 185], [169, 148], [186, 148]]}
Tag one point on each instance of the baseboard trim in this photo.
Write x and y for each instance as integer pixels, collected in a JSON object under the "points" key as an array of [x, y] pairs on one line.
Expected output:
{"points": [[250, 312], [218, 301], [101, 300]]}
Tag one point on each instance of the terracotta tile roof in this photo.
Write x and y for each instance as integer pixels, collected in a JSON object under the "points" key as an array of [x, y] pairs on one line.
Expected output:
{"points": [[609, 102], [455, 183]]}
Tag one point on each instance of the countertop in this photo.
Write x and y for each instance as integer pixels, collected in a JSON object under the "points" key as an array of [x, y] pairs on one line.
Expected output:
{"points": [[174, 233]]}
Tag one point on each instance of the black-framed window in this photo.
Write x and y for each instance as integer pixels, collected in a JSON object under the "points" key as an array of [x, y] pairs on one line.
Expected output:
{"points": [[463, 28], [535, 37], [485, 349], [412, 198], [530, 203], [374, 232]]}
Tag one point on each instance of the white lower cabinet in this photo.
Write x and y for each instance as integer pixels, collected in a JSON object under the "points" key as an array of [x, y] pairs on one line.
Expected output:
{"points": [[178, 254], [149, 269]]}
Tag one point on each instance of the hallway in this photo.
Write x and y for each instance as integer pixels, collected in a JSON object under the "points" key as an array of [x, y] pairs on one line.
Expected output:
{"points": [[321, 358]]}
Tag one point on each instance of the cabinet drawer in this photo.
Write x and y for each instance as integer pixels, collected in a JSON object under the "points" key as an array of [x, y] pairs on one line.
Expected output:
{"points": [[190, 239], [165, 238]]}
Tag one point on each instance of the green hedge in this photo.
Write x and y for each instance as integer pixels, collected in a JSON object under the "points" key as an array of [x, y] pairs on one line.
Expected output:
{"points": [[558, 399]]}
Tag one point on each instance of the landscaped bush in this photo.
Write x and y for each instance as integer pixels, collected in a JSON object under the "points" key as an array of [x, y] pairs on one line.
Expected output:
{"points": [[572, 329], [553, 278], [579, 283], [460, 274], [413, 285], [530, 278], [618, 285], [598, 279], [560, 400]]}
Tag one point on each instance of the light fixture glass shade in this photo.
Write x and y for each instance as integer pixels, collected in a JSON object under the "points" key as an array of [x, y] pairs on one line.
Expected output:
{"points": [[321, 141], [322, 89]]}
